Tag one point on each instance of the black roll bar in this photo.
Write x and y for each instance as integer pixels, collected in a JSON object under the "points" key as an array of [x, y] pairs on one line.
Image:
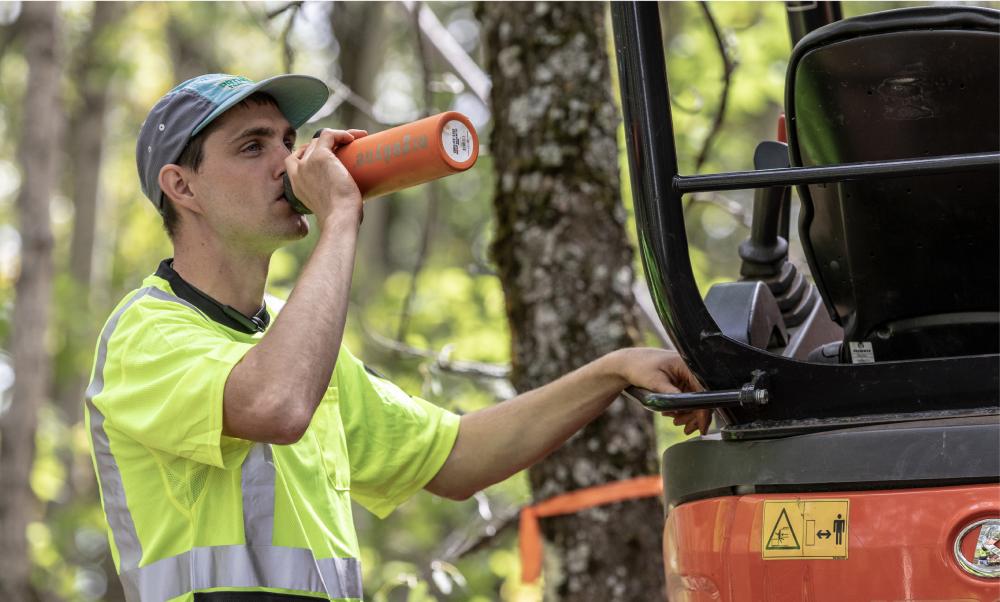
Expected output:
{"points": [[808, 15], [796, 389], [739, 180]]}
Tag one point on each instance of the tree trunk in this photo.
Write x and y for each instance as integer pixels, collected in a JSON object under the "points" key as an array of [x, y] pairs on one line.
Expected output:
{"points": [[191, 35], [566, 266], [93, 67], [38, 149], [93, 71], [354, 25]]}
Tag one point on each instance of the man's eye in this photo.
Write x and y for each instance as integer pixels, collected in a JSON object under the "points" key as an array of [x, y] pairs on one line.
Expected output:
{"points": [[289, 144], [252, 147]]}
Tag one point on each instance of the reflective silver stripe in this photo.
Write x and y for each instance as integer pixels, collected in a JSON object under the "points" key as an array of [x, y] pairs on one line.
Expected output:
{"points": [[112, 489], [257, 477], [97, 384], [165, 296], [255, 565], [241, 567], [343, 574]]}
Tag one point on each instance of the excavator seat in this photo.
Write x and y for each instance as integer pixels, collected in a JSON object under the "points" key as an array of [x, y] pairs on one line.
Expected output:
{"points": [[908, 266]]}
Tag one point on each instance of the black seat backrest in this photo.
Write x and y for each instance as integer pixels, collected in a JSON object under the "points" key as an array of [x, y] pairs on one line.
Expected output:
{"points": [[910, 264]]}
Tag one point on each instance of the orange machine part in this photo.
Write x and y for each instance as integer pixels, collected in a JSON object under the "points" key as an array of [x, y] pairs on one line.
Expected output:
{"points": [[900, 547], [411, 154]]}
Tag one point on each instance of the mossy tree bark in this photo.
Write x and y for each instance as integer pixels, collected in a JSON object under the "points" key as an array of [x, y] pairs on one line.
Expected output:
{"points": [[566, 266]]}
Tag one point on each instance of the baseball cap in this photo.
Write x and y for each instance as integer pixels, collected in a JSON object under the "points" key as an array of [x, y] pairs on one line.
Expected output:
{"points": [[189, 107]]}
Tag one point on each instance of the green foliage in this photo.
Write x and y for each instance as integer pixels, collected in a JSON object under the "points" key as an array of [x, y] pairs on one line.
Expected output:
{"points": [[457, 307]]}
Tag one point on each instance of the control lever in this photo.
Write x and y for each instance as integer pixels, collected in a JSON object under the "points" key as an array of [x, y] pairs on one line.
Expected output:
{"points": [[753, 393]]}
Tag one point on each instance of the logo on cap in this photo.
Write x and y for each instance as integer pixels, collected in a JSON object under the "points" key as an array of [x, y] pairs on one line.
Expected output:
{"points": [[234, 82]]}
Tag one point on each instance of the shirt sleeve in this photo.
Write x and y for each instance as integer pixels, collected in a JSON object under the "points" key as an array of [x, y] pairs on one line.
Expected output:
{"points": [[396, 443], [164, 379]]}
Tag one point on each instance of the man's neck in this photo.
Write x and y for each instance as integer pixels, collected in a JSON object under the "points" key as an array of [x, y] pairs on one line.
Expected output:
{"points": [[234, 279]]}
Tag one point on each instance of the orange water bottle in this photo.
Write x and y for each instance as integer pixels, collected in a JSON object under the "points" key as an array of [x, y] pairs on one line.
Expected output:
{"points": [[406, 155]]}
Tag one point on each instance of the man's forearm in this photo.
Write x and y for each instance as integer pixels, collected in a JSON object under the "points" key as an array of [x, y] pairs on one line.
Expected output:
{"points": [[272, 394], [499, 441]]}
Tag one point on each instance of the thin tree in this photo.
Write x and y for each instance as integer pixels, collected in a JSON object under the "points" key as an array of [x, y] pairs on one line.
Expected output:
{"points": [[354, 25], [191, 39], [565, 263], [38, 149], [93, 67]]}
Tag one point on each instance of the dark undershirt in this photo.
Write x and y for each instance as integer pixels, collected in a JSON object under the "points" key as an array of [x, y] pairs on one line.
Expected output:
{"points": [[216, 311]]}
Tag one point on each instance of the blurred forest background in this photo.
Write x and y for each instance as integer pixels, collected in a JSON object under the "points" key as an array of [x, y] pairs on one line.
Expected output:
{"points": [[428, 307]]}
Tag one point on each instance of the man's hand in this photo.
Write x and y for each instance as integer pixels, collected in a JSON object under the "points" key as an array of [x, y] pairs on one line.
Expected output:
{"points": [[664, 372], [498, 441], [320, 180], [692, 420], [271, 394]]}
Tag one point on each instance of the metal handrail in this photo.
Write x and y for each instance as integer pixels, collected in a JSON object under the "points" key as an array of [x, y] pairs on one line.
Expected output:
{"points": [[764, 178]]}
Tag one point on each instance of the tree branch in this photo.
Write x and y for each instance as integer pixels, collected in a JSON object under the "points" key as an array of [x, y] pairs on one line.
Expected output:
{"points": [[427, 231], [281, 9], [441, 359], [456, 548], [288, 54], [341, 91], [425, 67], [695, 108], [725, 204], [450, 50], [728, 66]]}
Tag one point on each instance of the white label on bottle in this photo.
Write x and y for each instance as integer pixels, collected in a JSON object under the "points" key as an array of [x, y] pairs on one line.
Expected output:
{"points": [[457, 141]]}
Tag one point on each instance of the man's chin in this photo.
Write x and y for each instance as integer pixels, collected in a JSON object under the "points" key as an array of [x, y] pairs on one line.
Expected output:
{"points": [[275, 236]]}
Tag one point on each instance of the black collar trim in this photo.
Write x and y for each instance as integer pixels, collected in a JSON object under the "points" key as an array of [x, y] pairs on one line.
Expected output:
{"points": [[223, 314]]}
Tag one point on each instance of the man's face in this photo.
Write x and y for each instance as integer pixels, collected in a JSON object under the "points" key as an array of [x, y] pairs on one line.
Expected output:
{"points": [[239, 183]]}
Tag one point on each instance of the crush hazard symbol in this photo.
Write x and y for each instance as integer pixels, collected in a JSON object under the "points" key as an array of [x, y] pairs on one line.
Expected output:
{"points": [[804, 529], [783, 535]]}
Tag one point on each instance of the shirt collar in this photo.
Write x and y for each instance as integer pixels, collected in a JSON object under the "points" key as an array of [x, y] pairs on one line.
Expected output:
{"points": [[219, 312]]}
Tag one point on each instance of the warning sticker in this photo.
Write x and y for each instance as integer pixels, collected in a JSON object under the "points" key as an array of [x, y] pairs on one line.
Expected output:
{"points": [[804, 529], [862, 353]]}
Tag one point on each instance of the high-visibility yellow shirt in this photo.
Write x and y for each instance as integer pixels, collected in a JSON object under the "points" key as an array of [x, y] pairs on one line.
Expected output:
{"points": [[192, 510]]}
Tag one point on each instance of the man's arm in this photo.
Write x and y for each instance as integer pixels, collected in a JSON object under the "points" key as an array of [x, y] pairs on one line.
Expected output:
{"points": [[497, 442], [272, 393]]}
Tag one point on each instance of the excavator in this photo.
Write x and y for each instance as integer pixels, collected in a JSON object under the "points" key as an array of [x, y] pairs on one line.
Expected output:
{"points": [[856, 454]]}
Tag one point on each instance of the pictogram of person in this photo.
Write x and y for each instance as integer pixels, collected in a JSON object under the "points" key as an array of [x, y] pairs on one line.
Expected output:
{"points": [[838, 529]]}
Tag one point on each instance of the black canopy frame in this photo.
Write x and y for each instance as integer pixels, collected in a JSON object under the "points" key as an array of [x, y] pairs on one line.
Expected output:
{"points": [[798, 390]]}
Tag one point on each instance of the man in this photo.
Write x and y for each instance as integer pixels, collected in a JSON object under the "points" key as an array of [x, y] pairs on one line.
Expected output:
{"points": [[228, 439]]}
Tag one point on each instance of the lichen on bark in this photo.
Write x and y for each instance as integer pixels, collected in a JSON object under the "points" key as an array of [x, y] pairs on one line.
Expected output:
{"points": [[565, 263]]}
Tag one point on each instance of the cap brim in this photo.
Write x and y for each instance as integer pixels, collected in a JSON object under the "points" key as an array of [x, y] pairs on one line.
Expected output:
{"points": [[298, 98]]}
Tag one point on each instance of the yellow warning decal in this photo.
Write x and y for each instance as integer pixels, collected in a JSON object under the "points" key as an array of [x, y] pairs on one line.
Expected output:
{"points": [[805, 529]]}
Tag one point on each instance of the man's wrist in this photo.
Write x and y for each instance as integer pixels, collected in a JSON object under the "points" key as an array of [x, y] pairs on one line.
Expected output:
{"points": [[611, 366], [342, 218]]}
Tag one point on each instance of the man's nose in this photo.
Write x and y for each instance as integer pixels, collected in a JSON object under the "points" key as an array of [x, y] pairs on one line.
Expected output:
{"points": [[279, 166]]}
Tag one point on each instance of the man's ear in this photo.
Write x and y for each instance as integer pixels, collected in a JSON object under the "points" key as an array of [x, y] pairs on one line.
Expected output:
{"points": [[175, 182]]}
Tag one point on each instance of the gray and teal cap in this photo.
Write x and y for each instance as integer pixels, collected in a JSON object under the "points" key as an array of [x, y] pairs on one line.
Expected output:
{"points": [[188, 108]]}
